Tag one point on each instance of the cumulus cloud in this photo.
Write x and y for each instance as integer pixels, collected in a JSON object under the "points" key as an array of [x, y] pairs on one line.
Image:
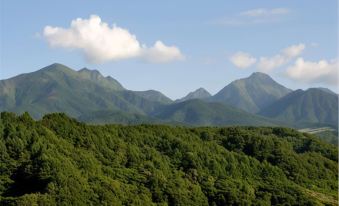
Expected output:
{"points": [[314, 72], [242, 60], [293, 51], [100, 43], [266, 64], [262, 12], [160, 53]]}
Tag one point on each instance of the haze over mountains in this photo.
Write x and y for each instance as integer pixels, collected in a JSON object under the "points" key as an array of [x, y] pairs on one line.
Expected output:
{"points": [[91, 97]]}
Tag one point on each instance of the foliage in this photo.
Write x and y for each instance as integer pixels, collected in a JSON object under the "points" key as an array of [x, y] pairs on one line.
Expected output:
{"points": [[59, 161]]}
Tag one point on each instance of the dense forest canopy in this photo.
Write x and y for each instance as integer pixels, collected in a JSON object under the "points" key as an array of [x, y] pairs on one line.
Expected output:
{"points": [[60, 161]]}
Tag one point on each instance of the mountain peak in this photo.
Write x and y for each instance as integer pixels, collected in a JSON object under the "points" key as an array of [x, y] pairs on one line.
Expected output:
{"points": [[201, 90], [154, 95], [90, 74], [259, 75], [252, 93], [96, 76], [56, 66], [85, 69], [200, 93]]}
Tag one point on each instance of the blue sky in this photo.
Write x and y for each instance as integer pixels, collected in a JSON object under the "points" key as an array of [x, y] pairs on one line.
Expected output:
{"points": [[205, 43]]}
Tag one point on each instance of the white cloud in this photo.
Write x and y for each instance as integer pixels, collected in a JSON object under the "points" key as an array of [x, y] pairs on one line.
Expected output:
{"points": [[100, 43], [160, 53], [294, 50], [266, 64], [314, 72], [242, 60], [262, 12]]}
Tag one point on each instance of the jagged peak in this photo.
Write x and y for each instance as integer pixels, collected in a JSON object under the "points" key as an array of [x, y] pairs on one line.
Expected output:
{"points": [[85, 69]]}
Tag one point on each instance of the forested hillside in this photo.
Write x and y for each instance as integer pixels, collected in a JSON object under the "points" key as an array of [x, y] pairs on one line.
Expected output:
{"points": [[59, 161]]}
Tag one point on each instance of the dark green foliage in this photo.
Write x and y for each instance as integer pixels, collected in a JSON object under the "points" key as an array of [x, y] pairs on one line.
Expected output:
{"points": [[59, 161]]}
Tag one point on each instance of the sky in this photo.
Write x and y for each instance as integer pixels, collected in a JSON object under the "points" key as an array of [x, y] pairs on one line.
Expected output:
{"points": [[175, 47]]}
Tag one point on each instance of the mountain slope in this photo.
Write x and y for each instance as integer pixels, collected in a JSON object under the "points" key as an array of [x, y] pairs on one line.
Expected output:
{"points": [[154, 96], [198, 112], [95, 76], [116, 117], [251, 94], [200, 93], [57, 88], [313, 106]]}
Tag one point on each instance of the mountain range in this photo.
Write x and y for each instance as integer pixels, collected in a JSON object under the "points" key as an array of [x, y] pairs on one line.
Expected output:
{"points": [[89, 96]]}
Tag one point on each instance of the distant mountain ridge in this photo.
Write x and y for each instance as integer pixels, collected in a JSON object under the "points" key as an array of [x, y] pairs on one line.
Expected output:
{"points": [[252, 93], [154, 95], [89, 96], [57, 88], [308, 107], [200, 93]]}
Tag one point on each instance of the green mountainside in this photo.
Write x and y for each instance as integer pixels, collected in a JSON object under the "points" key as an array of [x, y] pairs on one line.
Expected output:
{"points": [[59, 161], [251, 94], [117, 117], [155, 96], [198, 112], [57, 88], [311, 107]]}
